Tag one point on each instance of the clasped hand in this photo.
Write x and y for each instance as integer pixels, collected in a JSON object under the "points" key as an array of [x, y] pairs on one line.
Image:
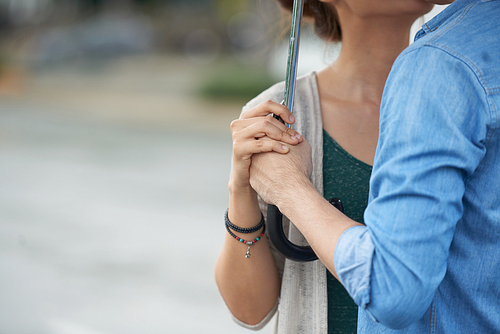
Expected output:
{"points": [[268, 156], [274, 175]]}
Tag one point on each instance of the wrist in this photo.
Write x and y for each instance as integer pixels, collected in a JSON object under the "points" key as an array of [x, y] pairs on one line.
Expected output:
{"points": [[243, 206], [241, 190], [295, 193]]}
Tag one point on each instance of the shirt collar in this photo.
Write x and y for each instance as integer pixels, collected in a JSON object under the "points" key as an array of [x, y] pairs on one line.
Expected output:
{"points": [[441, 18]]}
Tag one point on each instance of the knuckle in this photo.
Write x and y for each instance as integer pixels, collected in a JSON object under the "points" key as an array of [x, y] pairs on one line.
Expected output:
{"points": [[268, 106], [265, 123], [234, 125], [268, 121], [259, 144], [236, 145], [268, 103]]}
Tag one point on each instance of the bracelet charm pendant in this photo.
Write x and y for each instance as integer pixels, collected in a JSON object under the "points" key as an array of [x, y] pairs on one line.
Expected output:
{"points": [[249, 243]]}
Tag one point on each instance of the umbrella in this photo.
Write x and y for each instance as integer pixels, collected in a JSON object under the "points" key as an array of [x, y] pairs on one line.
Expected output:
{"points": [[274, 216]]}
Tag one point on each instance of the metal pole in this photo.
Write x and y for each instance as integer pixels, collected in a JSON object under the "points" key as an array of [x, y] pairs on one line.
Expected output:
{"points": [[274, 216], [293, 53]]}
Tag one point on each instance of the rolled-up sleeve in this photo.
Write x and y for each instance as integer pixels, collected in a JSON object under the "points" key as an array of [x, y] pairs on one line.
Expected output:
{"points": [[354, 265], [432, 138]]}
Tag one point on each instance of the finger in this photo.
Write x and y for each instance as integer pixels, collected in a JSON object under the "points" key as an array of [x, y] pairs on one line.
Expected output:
{"points": [[269, 107], [271, 128], [239, 124], [244, 149]]}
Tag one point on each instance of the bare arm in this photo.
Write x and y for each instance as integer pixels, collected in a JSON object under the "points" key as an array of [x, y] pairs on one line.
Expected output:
{"points": [[321, 224], [297, 198], [250, 286]]}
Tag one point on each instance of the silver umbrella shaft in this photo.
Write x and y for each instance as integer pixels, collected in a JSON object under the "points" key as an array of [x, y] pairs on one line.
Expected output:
{"points": [[293, 54], [274, 216]]}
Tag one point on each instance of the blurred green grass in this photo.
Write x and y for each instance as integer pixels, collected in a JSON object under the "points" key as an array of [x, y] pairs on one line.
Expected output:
{"points": [[235, 82]]}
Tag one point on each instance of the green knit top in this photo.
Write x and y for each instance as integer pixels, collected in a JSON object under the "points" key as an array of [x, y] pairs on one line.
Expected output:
{"points": [[346, 178]]}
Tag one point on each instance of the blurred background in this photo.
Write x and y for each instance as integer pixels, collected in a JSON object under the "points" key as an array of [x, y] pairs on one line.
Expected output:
{"points": [[115, 155]]}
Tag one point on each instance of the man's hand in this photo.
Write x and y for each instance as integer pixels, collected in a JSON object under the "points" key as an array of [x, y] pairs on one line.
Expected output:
{"points": [[274, 175]]}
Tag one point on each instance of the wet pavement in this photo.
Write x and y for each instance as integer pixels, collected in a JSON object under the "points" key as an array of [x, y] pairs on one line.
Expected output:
{"points": [[111, 219]]}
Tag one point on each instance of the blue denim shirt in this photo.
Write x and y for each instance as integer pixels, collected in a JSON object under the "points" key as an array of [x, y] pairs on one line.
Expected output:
{"points": [[428, 260]]}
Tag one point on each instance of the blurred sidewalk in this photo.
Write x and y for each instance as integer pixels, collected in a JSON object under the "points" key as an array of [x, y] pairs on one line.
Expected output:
{"points": [[113, 186]]}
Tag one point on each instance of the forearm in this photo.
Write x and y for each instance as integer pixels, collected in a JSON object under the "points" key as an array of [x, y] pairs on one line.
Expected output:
{"points": [[249, 286], [320, 222]]}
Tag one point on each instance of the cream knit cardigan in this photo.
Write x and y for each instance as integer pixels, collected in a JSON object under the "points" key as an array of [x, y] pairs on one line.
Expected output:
{"points": [[302, 307]]}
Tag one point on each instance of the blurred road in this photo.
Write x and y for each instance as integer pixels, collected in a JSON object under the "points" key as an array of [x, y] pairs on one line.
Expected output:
{"points": [[113, 184]]}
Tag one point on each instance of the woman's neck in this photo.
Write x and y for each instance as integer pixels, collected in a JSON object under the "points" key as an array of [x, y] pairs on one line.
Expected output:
{"points": [[369, 48]]}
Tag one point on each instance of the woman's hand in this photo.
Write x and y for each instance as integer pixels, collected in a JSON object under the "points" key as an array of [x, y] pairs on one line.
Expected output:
{"points": [[257, 132], [275, 176], [251, 287]]}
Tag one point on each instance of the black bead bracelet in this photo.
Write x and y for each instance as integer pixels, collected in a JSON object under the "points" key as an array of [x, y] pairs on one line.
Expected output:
{"points": [[241, 229], [230, 226]]}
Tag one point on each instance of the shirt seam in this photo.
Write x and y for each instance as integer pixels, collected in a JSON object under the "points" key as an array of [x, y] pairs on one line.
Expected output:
{"points": [[452, 24], [496, 121], [432, 324]]}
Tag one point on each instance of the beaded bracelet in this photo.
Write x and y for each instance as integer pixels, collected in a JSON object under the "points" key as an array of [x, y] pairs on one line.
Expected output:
{"points": [[241, 229], [248, 243]]}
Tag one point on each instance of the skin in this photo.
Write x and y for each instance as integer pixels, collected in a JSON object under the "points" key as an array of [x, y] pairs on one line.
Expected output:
{"points": [[374, 33]]}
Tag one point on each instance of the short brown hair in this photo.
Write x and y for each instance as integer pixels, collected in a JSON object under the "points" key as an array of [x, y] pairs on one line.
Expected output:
{"points": [[326, 22]]}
